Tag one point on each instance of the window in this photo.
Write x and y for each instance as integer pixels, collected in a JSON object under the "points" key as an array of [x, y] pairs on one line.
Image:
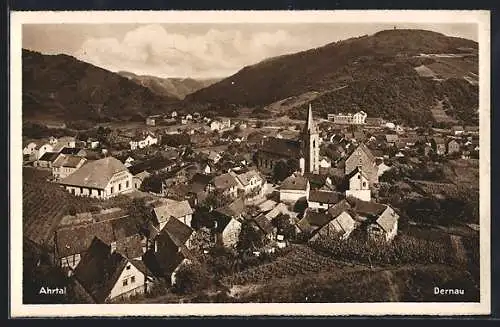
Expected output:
{"points": [[128, 267], [132, 279], [314, 143], [364, 184], [119, 186], [112, 189], [127, 185], [125, 282]]}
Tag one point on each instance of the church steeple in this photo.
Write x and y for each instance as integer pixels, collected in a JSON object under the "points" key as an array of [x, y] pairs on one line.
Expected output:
{"points": [[310, 141], [310, 126]]}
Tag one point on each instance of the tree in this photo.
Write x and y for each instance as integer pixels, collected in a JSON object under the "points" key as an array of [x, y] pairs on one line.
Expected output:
{"points": [[140, 211], [191, 277], [250, 238], [152, 183], [284, 226], [282, 169]]}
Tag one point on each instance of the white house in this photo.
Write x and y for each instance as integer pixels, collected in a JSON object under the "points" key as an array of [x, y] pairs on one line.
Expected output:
{"points": [[92, 143], [386, 225], [65, 165], [141, 143], [250, 183], [293, 188], [44, 148], [173, 114], [139, 178], [128, 162], [207, 170], [103, 178], [107, 276], [359, 118], [359, 185], [325, 163], [29, 148], [215, 125]]}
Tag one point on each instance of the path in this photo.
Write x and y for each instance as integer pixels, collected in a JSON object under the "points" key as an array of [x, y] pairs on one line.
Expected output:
{"points": [[393, 289]]}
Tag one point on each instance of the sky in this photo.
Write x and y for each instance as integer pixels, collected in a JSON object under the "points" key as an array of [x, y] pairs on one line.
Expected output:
{"points": [[198, 50]]}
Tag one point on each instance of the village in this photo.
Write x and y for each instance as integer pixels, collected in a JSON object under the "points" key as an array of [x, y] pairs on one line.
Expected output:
{"points": [[159, 206]]}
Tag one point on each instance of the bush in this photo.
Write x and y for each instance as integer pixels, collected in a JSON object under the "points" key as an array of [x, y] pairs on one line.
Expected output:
{"points": [[192, 277]]}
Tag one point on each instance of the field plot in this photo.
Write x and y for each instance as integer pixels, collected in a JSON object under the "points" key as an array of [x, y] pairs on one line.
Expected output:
{"points": [[440, 114], [301, 260]]}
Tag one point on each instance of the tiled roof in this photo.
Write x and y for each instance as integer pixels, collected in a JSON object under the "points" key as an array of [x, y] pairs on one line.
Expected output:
{"points": [[344, 222], [387, 219], [224, 181], [367, 208], [282, 147], [294, 182], [338, 208], [69, 161], [234, 209], [142, 175], [246, 177], [49, 156], [313, 220], [178, 232], [167, 208], [99, 270], [323, 197], [67, 150], [95, 174], [264, 224]]}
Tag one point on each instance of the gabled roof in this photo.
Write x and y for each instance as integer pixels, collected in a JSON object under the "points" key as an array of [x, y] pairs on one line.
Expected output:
{"points": [[367, 208], [167, 208], [95, 174], [178, 232], [69, 161], [49, 156], [264, 224], [142, 175], [344, 222], [234, 209], [338, 208], [67, 150], [224, 181], [387, 219], [245, 178], [313, 220], [294, 182], [282, 147], [391, 137], [99, 270], [323, 197], [355, 171]]}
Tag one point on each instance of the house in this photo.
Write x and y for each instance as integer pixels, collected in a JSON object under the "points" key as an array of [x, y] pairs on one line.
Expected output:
{"points": [[385, 226], [235, 209], [189, 117], [67, 141], [438, 145], [322, 199], [453, 146], [107, 276], [457, 130], [265, 227], [153, 120], [207, 170], [226, 230], [74, 151], [225, 123], [143, 142], [250, 183], [165, 209], [103, 178], [75, 234], [215, 125], [359, 185], [65, 165], [214, 157], [359, 118], [224, 184], [312, 221], [319, 181], [29, 148], [42, 149], [46, 160], [340, 227], [363, 158], [293, 188], [92, 143], [139, 178], [173, 114], [52, 140]]}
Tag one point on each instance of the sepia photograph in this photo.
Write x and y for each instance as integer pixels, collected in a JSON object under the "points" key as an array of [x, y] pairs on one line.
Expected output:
{"points": [[304, 163]]}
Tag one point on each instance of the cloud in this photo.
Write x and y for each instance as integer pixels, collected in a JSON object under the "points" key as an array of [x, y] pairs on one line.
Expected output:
{"points": [[153, 50]]}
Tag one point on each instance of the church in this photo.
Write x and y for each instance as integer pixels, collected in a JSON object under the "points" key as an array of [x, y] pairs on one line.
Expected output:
{"points": [[302, 153]]}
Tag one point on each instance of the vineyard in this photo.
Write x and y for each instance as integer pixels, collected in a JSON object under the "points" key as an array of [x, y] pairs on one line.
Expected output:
{"points": [[301, 260], [45, 203]]}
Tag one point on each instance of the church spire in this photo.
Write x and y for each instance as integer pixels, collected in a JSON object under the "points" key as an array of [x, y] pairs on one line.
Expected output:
{"points": [[310, 126]]}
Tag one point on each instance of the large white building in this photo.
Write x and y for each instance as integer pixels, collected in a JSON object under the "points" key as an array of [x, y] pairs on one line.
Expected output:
{"points": [[103, 178], [359, 118]]}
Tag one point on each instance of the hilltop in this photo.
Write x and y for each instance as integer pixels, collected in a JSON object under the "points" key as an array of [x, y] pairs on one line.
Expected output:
{"points": [[397, 74], [171, 87], [63, 87]]}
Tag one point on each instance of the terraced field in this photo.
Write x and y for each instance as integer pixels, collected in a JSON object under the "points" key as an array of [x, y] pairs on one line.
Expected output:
{"points": [[301, 260]]}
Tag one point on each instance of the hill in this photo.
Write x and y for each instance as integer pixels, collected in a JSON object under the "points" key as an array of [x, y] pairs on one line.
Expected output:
{"points": [[172, 87], [381, 74], [62, 87]]}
